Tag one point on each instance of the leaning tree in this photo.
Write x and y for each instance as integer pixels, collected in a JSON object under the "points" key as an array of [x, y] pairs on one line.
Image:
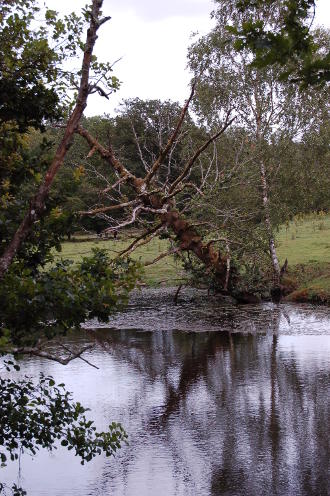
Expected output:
{"points": [[155, 193], [39, 302]]}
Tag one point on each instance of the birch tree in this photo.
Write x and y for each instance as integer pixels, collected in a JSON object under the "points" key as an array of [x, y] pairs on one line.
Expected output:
{"points": [[264, 106]]}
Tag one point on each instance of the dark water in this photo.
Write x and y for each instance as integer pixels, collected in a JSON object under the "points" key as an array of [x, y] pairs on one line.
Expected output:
{"points": [[217, 400]]}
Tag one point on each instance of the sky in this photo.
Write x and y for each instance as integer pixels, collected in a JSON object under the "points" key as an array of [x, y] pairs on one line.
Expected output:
{"points": [[151, 38]]}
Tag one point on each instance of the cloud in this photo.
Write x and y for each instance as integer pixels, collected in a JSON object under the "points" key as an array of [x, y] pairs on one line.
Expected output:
{"points": [[151, 10], [154, 57], [151, 37]]}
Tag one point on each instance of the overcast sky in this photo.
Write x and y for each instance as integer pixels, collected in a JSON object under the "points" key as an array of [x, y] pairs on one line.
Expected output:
{"points": [[151, 37]]}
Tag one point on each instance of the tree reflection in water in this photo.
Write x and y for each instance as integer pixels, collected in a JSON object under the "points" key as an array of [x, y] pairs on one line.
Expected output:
{"points": [[208, 413], [236, 414]]}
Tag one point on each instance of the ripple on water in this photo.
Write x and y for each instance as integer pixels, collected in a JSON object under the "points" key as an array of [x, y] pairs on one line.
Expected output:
{"points": [[154, 310], [241, 412]]}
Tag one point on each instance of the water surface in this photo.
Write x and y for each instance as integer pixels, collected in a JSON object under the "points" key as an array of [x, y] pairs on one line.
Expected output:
{"points": [[216, 399]]}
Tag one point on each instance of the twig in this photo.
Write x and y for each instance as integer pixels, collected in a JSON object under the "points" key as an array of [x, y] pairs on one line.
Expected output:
{"points": [[108, 155], [117, 183], [134, 217], [171, 140], [44, 354], [107, 209], [162, 255], [192, 160], [88, 347], [154, 230]]}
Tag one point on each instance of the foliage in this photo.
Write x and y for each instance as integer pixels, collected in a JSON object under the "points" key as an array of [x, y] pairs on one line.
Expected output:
{"points": [[265, 158], [23, 160], [136, 135], [284, 38], [47, 303], [14, 490], [33, 57], [303, 182], [35, 81], [142, 129], [29, 65], [41, 414], [249, 262], [40, 300], [166, 271], [36, 88]]}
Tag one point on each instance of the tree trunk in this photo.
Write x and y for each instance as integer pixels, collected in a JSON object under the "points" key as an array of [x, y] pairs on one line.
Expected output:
{"points": [[271, 241], [37, 204], [189, 239]]}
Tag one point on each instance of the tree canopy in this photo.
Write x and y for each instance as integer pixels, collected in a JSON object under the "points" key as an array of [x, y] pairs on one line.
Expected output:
{"points": [[278, 32]]}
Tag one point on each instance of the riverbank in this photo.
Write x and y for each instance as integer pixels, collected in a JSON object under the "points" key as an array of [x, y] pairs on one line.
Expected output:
{"points": [[309, 283], [305, 242], [168, 271]]}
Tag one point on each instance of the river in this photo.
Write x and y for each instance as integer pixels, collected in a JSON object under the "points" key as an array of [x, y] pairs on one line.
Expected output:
{"points": [[216, 399]]}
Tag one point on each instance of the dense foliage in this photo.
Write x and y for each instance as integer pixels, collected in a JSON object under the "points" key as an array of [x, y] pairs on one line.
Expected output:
{"points": [[43, 304], [266, 151], [283, 38], [30, 67], [41, 299]]}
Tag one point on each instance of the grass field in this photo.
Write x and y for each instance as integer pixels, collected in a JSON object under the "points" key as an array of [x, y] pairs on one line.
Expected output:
{"points": [[305, 242], [167, 271]]}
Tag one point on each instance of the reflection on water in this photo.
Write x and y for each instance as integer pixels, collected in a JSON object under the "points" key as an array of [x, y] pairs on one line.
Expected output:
{"points": [[208, 414], [152, 309]]}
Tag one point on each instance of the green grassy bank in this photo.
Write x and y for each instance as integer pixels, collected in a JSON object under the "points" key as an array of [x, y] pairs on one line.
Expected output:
{"points": [[305, 242], [167, 271]]}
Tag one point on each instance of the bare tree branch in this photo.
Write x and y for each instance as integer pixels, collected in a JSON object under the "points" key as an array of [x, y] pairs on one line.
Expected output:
{"points": [[38, 351], [171, 140], [125, 223], [183, 187], [107, 209], [109, 156], [162, 255], [226, 240], [192, 160], [113, 186], [135, 244], [137, 142]]}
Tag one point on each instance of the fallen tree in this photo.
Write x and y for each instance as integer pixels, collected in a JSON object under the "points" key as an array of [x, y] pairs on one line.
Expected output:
{"points": [[158, 199]]}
